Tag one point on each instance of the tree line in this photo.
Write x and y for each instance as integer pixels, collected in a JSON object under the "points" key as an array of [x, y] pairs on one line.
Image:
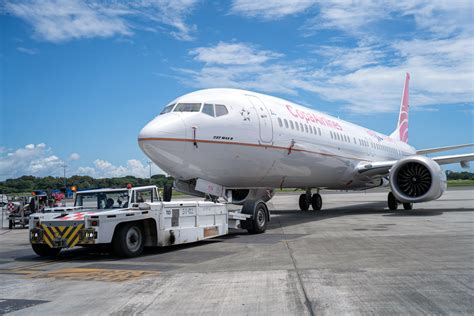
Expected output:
{"points": [[463, 175], [30, 183]]}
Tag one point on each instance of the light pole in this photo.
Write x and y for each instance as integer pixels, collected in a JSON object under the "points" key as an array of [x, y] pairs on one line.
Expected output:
{"points": [[149, 167], [64, 166]]}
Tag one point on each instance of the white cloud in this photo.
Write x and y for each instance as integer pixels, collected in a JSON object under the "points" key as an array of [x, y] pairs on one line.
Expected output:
{"points": [[39, 160], [232, 54], [365, 79], [33, 159], [441, 17], [168, 12], [29, 51], [347, 16], [105, 169], [270, 9], [441, 72], [58, 21], [345, 58], [74, 156]]}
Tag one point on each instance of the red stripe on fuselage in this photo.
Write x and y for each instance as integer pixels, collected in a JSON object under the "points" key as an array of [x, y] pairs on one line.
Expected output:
{"points": [[244, 144]]}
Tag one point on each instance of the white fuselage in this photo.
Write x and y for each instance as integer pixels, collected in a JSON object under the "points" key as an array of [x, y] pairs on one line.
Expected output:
{"points": [[264, 141]]}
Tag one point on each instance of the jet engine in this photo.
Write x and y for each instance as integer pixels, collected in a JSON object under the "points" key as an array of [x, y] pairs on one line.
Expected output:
{"points": [[417, 179], [240, 196]]}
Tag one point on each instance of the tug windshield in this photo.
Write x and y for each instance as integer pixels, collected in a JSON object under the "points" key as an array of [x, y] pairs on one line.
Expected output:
{"points": [[102, 200]]}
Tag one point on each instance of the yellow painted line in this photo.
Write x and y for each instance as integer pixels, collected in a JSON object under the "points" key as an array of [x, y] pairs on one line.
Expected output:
{"points": [[17, 271], [92, 274], [30, 267]]}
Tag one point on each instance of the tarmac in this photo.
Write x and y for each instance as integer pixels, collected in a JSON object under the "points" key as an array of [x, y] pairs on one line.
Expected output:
{"points": [[354, 257]]}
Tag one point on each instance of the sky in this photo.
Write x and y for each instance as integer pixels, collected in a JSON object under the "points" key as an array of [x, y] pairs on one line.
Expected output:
{"points": [[79, 79]]}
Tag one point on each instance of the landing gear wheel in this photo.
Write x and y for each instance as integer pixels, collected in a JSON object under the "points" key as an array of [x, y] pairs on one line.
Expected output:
{"points": [[304, 204], [392, 202], [167, 192], [128, 240], [316, 202], [408, 206], [257, 224], [45, 250], [10, 224]]}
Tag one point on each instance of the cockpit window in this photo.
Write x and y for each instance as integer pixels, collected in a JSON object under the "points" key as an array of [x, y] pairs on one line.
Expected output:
{"points": [[188, 107], [221, 110], [208, 109], [167, 108]]}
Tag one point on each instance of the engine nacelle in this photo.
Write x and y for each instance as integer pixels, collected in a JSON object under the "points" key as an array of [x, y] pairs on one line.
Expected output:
{"points": [[240, 196], [417, 179]]}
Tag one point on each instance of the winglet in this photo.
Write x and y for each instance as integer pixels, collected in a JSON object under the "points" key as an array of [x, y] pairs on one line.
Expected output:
{"points": [[401, 133]]}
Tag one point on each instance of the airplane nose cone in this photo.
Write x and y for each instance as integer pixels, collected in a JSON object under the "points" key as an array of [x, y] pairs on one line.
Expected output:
{"points": [[162, 127], [163, 141]]}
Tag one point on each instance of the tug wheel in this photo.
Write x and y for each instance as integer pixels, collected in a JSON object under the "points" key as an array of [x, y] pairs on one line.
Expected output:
{"points": [[257, 224], [128, 240]]}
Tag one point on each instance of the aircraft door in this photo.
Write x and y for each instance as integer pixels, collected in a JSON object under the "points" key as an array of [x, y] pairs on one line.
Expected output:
{"points": [[264, 119]]}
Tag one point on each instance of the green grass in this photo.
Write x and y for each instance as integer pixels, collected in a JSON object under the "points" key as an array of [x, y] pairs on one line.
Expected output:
{"points": [[460, 183]]}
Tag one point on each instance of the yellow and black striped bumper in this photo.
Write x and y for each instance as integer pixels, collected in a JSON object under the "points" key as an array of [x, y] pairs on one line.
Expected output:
{"points": [[62, 236]]}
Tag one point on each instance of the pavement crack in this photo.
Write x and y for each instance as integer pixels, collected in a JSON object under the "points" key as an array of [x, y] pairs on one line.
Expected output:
{"points": [[307, 301]]}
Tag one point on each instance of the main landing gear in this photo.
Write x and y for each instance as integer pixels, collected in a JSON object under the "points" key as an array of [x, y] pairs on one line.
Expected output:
{"points": [[393, 203], [314, 200]]}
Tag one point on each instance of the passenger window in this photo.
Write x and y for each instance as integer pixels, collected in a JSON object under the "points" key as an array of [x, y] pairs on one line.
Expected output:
{"points": [[286, 123], [280, 122], [331, 134], [291, 123], [302, 129], [208, 109], [187, 107], [319, 131], [306, 128], [297, 126], [221, 110]]}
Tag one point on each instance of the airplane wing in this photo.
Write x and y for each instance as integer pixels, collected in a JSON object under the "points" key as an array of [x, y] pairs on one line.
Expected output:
{"points": [[381, 168], [438, 149], [463, 159]]}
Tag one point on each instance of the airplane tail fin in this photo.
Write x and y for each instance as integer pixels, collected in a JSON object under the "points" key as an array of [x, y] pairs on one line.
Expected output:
{"points": [[401, 133]]}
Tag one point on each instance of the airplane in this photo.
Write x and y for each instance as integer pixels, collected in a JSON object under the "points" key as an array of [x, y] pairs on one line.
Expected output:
{"points": [[241, 145]]}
